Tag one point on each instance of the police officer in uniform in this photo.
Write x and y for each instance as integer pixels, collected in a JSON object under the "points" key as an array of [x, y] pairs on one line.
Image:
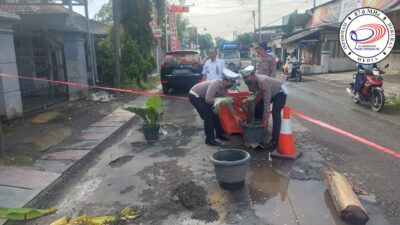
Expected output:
{"points": [[272, 91], [265, 64], [202, 98]]}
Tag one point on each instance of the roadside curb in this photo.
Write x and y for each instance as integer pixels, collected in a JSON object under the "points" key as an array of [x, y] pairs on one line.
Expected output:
{"points": [[74, 157]]}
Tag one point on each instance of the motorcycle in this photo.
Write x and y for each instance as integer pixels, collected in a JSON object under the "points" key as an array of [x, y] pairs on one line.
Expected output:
{"points": [[296, 72], [371, 90]]}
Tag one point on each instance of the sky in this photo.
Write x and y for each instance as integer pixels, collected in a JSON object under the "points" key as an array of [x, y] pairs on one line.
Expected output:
{"points": [[221, 18]]}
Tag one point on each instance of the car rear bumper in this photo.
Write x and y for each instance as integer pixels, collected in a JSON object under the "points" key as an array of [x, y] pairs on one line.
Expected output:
{"points": [[183, 81]]}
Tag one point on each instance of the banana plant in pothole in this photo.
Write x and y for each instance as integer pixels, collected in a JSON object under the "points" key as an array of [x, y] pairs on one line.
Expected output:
{"points": [[152, 115]]}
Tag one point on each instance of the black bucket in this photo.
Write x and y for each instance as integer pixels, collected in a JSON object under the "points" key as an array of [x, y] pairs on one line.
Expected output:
{"points": [[231, 167], [253, 133]]}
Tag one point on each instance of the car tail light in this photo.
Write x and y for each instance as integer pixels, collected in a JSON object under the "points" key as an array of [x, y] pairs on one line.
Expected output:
{"points": [[165, 65], [164, 81]]}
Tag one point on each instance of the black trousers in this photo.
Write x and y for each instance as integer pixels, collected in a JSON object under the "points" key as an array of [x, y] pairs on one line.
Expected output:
{"points": [[211, 121], [278, 102]]}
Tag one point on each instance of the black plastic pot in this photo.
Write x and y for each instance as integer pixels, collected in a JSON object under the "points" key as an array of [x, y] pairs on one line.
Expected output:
{"points": [[151, 133], [253, 133]]}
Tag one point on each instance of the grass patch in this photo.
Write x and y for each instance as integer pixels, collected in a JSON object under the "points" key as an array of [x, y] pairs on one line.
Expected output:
{"points": [[394, 102], [152, 82]]}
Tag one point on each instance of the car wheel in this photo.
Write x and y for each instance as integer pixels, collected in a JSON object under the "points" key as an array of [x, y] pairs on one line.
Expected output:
{"points": [[165, 89]]}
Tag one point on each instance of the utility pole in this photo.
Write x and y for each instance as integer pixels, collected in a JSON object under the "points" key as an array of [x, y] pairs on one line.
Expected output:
{"points": [[3, 154], [314, 5], [89, 45], [259, 20], [117, 42], [166, 25], [255, 29]]}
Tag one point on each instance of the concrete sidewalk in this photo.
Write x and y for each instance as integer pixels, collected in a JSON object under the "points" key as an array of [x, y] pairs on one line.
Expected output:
{"points": [[391, 81], [20, 185]]}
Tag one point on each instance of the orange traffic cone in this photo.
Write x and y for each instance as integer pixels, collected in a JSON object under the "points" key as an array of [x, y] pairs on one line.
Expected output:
{"points": [[286, 145]]}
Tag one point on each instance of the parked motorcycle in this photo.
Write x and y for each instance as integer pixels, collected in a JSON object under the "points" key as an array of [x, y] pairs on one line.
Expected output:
{"points": [[296, 72], [371, 90]]}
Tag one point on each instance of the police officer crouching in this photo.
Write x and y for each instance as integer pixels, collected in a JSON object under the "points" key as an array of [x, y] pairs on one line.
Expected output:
{"points": [[202, 98], [272, 91]]}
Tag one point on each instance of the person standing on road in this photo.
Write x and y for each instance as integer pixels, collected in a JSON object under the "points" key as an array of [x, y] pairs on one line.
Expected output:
{"points": [[213, 67], [202, 98], [265, 63], [272, 91]]}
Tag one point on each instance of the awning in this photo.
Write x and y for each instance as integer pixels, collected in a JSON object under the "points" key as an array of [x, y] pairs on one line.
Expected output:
{"points": [[301, 35]]}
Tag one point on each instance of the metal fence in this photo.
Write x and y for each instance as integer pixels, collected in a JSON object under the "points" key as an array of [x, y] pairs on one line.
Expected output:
{"points": [[40, 55]]}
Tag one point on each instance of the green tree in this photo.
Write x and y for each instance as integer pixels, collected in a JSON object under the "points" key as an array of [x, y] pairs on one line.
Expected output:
{"points": [[135, 20], [206, 41], [182, 26], [219, 41], [105, 13], [105, 55], [245, 40], [132, 62]]}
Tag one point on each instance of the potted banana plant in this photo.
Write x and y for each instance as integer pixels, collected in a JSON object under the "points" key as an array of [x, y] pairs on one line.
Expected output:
{"points": [[151, 115]]}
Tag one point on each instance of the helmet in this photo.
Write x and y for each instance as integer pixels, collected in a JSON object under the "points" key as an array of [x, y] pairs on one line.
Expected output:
{"points": [[247, 71], [230, 75]]}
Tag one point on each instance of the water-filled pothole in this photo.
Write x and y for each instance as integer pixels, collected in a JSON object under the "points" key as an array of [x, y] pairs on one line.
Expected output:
{"points": [[275, 197]]}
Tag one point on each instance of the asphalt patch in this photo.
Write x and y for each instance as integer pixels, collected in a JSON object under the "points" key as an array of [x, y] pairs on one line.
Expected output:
{"points": [[120, 161], [206, 214], [193, 198]]}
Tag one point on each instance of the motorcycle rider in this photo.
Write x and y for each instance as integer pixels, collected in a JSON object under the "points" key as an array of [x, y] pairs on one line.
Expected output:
{"points": [[289, 63], [360, 77]]}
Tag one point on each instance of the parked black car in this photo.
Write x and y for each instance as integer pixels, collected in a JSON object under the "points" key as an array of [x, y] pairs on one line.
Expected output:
{"points": [[181, 69]]}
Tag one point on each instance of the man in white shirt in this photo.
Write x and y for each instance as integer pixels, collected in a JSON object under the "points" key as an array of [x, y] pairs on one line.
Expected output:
{"points": [[213, 67]]}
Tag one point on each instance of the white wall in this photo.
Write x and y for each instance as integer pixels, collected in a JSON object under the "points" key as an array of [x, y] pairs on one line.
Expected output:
{"points": [[341, 64]]}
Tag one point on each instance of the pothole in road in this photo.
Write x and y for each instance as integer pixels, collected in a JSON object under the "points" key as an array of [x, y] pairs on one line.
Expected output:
{"points": [[169, 129], [188, 131], [193, 197], [120, 161]]}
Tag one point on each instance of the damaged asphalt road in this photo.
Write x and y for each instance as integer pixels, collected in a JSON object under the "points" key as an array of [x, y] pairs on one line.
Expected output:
{"points": [[172, 181]]}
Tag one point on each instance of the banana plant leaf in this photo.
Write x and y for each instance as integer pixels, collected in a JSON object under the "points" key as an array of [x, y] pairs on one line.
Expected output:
{"points": [[221, 101], [24, 213], [149, 113], [154, 102]]}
